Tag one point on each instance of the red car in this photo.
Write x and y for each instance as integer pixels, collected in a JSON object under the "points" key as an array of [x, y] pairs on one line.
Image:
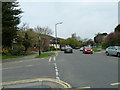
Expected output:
{"points": [[87, 50]]}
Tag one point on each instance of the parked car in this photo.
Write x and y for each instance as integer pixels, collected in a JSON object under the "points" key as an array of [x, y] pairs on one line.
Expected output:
{"points": [[81, 49], [68, 50], [75, 47], [113, 50], [87, 50], [62, 48]]}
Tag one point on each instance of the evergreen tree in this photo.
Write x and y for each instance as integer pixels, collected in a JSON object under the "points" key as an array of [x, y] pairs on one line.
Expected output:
{"points": [[10, 20]]}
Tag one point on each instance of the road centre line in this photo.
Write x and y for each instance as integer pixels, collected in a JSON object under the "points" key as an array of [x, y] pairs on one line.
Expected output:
{"points": [[55, 64], [57, 74], [57, 78], [56, 69]]}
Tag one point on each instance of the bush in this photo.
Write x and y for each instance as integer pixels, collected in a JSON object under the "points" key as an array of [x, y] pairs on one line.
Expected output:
{"points": [[18, 50], [52, 48], [4, 51]]}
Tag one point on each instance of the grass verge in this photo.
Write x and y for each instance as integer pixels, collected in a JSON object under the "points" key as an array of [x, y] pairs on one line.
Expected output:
{"points": [[46, 54], [4, 57], [96, 50]]}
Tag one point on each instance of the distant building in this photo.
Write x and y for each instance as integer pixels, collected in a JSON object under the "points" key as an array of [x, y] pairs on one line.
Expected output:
{"points": [[74, 35]]}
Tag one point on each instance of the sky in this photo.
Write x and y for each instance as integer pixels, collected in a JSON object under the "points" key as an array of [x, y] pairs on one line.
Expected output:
{"points": [[83, 18]]}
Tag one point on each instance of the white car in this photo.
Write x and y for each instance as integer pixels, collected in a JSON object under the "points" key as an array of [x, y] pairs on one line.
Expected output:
{"points": [[113, 50]]}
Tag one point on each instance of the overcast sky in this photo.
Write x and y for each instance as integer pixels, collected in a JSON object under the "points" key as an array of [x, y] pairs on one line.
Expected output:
{"points": [[83, 18]]}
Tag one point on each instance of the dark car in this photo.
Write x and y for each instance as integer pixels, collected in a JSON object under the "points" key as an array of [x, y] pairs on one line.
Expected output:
{"points": [[68, 50], [87, 50]]}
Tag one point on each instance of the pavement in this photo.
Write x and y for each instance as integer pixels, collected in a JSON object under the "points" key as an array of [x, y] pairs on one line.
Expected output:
{"points": [[76, 69]]}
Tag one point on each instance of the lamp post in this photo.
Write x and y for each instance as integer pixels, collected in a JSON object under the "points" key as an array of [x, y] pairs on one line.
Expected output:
{"points": [[56, 32], [39, 44]]}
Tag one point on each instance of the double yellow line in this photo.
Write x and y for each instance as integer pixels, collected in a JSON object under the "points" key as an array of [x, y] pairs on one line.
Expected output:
{"points": [[64, 84]]}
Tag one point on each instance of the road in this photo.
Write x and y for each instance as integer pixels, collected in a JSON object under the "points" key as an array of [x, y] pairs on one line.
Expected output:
{"points": [[77, 69]]}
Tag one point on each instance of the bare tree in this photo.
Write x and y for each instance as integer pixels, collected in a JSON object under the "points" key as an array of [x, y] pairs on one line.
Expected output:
{"points": [[44, 33], [43, 30], [24, 26]]}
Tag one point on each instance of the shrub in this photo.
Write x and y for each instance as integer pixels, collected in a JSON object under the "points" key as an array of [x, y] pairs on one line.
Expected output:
{"points": [[4, 51], [52, 48], [18, 50]]}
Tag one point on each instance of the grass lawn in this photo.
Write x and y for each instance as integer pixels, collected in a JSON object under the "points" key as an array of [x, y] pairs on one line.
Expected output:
{"points": [[46, 54], [3, 57], [96, 50]]}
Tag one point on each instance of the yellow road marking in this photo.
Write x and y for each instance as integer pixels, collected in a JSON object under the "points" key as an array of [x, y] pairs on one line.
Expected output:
{"points": [[85, 87], [115, 83], [64, 84]]}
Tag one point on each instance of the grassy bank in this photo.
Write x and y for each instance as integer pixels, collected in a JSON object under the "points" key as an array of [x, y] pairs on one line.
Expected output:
{"points": [[4, 57], [46, 54]]}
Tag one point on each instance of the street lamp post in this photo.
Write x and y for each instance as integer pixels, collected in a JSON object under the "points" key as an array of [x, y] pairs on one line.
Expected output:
{"points": [[56, 32], [39, 45]]}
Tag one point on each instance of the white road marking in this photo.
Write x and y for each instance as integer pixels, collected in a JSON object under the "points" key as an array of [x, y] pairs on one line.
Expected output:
{"points": [[55, 64], [50, 59], [57, 73], [57, 78], [54, 59], [56, 70], [55, 67]]}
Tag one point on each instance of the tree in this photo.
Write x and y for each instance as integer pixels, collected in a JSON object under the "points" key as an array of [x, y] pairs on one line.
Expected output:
{"points": [[99, 37], [73, 42], [63, 42], [112, 39], [26, 42], [44, 33], [10, 20]]}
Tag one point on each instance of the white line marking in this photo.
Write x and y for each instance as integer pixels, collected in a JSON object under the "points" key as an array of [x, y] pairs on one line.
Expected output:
{"points": [[54, 59], [57, 73], [50, 59], [56, 70], [55, 64], [57, 78]]}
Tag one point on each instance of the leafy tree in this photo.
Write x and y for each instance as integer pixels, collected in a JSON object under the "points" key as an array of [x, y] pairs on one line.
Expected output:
{"points": [[26, 42], [10, 20], [73, 42], [63, 42]]}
